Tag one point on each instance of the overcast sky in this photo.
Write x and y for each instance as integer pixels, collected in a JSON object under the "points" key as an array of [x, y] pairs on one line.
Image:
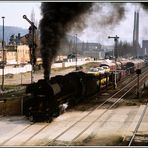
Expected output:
{"points": [[13, 12]]}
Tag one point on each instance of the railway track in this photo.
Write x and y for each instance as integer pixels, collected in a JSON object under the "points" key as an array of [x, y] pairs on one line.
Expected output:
{"points": [[135, 132], [131, 77], [115, 98], [118, 96]]}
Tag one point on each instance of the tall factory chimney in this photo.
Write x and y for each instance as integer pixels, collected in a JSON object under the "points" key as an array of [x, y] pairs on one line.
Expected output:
{"points": [[137, 29], [134, 30], [136, 33]]}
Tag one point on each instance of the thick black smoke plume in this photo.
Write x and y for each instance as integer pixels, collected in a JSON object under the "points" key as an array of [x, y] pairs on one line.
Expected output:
{"points": [[58, 18]]}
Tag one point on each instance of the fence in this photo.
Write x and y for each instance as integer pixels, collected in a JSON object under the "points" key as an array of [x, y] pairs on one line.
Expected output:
{"points": [[27, 68], [16, 70]]}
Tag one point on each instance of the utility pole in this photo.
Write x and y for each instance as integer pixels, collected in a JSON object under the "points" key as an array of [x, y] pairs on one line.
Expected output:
{"points": [[76, 52], [116, 56], [3, 60], [32, 46]]}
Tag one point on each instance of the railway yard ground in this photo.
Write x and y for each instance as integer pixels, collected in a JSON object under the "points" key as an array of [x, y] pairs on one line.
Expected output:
{"points": [[87, 124]]}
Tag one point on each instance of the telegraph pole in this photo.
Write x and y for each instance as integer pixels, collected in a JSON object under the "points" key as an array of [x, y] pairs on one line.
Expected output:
{"points": [[3, 60], [116, 56]]}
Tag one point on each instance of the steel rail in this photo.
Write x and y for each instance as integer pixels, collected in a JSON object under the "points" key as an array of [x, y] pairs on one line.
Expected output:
{"points": [[99, 107], [3, 143], [119, 99], [138, 124]]}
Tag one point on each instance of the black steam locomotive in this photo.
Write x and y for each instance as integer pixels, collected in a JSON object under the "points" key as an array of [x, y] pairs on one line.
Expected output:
{"points": [[44, 98]]}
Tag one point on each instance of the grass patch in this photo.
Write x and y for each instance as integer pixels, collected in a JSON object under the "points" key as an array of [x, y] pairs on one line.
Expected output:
{"points": [[8, 87], [13, 95]]}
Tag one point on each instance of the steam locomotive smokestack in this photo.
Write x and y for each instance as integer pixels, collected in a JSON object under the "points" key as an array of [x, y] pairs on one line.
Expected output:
{"points": [[58, 18]]}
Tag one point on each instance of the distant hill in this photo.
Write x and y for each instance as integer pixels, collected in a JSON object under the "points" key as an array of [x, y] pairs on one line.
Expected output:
{"points": [[9, 30]]}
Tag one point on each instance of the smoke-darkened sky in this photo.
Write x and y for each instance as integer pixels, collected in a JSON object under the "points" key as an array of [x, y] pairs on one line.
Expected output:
{"points": [[97, 31], [94, 32]]}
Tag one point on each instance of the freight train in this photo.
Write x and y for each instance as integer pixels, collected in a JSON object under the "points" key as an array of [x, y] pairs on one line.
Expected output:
{"points": [[45, 98]]}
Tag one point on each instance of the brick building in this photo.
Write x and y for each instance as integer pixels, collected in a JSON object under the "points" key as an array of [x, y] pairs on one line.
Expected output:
{"points": [[16, 54]]}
